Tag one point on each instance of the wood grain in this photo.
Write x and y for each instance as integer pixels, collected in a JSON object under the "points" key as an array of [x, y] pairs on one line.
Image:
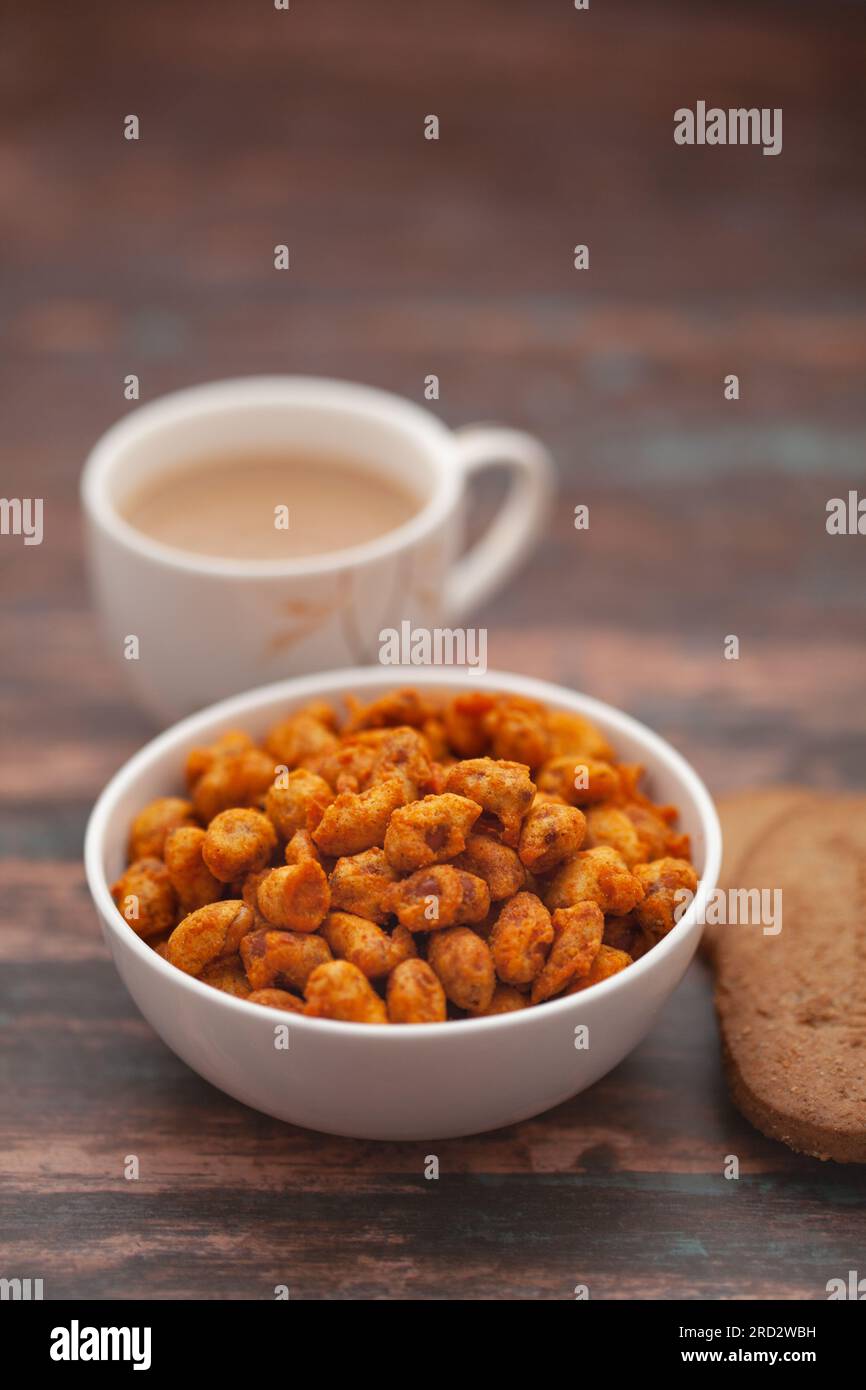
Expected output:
{"points": [[707, 518]]}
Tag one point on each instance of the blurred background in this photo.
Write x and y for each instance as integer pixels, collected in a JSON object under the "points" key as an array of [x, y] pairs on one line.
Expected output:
{"points": [[412, 257], [454, 257]]}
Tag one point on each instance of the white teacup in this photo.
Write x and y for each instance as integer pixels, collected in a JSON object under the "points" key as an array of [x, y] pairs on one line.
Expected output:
{"points": [[205, 628]]}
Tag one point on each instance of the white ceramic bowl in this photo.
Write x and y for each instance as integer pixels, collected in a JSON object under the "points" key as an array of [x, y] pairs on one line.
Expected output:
{"points": [[429, 1081]]}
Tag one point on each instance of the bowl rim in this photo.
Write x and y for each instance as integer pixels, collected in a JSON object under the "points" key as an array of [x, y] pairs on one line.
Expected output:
{"points": [[331, 685]]}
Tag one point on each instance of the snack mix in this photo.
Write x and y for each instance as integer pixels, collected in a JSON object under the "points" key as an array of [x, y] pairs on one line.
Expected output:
{"points": [[428, 860]]}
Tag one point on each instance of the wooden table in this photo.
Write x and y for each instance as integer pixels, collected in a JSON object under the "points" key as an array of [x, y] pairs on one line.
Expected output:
{"points": [[707, 518]]}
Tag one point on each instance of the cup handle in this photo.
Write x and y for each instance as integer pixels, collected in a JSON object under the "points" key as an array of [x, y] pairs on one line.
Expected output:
{"points": [[517, 524]]}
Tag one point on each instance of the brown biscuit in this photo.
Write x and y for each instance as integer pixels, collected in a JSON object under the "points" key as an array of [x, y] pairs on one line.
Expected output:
{"points": [[792, 1006]]}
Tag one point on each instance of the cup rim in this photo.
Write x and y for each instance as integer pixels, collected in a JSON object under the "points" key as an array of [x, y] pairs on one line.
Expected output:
{"points": [[331, 684], [351, 398]]}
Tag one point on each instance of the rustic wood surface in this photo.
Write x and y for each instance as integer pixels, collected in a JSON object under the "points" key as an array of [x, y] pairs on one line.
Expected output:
{"points": [[707, 518]]}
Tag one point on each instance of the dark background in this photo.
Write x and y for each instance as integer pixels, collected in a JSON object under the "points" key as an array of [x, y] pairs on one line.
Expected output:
{"points": [[412, 257]]}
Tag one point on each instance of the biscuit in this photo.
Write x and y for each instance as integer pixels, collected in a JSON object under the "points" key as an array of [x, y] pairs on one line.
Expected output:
{"points": [[792, 1006]]}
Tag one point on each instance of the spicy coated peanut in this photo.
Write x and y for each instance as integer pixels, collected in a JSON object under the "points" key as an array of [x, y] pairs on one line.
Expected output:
{"points": [[227, 974], [277, 999], [208, 933], [373, 950], [440, 896], [612, 826], [297, 802], [295, 896], [657, 839], [598, 875], [627, 935], [238, 778], [152, 825], [301, 738], [190, 876], [464, 718], [361, 883], [429, 831], [404, 754], [405, 706], [302, 847], [502, 789], [146, 898], [201, 760], [282, 959], [609, 961], [577, 736], [669, 886], [238, 842], [356, 821], [249, 892], [578, 932], [550, 834], [579, 782], [340, 990], [346, 767], [415, 994], [499, 866], [521, 939], [518, 731], [506, 1000], [465, 967]]}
